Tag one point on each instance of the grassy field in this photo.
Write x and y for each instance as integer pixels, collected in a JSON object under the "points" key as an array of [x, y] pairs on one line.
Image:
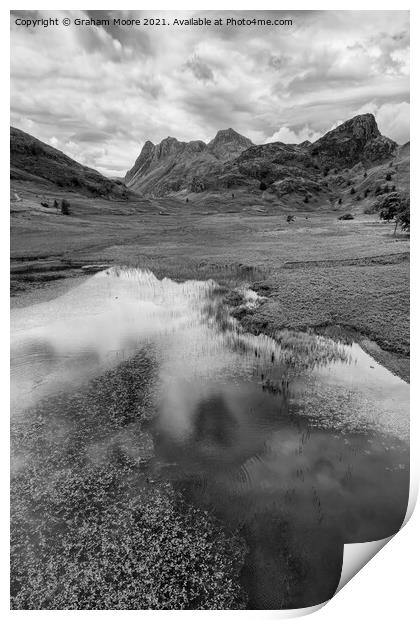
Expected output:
{"points": [[315, 271]]}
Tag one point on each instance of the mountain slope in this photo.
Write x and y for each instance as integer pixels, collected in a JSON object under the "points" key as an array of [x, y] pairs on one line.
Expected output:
{"points": [[172, 166], [35, 161], [232, 162]]}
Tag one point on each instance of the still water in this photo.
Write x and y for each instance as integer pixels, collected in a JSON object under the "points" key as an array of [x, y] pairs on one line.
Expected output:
{"points": [[301, 442]]}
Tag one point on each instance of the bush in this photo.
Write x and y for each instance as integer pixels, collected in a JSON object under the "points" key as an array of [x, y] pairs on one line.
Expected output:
{"points": [[263, 186], [65, 207], [352, 191], [306, 199], [388, 177], [346, 216]]}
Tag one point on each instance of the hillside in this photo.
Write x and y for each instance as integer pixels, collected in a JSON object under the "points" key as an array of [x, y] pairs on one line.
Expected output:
{"points": [[34, 161]]}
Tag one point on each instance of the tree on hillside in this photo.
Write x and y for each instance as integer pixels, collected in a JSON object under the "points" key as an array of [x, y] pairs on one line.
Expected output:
{"points": [[395, 207]]}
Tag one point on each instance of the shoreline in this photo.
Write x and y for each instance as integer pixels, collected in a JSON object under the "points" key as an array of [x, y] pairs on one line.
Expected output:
{"points": [[393, 357]]}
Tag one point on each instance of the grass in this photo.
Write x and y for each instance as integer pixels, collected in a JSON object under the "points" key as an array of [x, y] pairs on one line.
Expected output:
{"points": [[90, 529], [370, 300]]}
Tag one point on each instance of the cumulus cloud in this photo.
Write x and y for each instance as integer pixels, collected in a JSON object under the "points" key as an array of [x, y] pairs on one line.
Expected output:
{"points": [[100, 91], [287, 135]]}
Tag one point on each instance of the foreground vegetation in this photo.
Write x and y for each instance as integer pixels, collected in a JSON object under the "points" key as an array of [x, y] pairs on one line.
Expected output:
{"points": [[93, 526]]}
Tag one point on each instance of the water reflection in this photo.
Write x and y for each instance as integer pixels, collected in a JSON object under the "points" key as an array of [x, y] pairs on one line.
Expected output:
{"points": [[300, 442]]}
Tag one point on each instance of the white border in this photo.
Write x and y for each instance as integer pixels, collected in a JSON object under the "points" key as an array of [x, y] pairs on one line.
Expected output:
{"points": [[387, 586]]}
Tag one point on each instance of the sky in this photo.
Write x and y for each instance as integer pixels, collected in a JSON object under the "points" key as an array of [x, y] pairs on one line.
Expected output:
{"points": [[99, 92]]}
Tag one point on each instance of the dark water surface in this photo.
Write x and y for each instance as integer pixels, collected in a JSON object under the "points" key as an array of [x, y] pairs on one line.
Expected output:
{"points": [[300, 443]]}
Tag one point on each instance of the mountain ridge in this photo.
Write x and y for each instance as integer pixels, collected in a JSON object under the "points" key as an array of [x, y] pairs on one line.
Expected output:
{"points": [[231, 160]]}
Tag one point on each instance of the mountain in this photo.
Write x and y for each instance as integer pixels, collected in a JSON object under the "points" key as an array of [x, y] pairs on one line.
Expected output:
{"points": [[171, 166], [358, 139], [231, 162], [34, 161]]}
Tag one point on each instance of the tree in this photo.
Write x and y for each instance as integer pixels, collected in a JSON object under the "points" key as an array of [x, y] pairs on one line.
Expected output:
{"points": [[306, 199], [352, 191], [340, 201], [388, 177], [395, 207], [366, 193], [365, 174], [263, 186]]}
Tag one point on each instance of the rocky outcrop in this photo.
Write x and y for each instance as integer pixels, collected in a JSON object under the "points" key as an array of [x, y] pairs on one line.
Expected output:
{"points": [[356, 140], [171, 164]]}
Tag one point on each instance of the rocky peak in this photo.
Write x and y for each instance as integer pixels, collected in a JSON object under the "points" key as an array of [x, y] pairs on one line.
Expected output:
{"points": [[228, 143], [358, 139]]}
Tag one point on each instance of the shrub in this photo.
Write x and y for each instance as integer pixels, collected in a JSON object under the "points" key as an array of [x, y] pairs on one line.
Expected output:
{"points": [[388, 177], [306, 199], [263, 186], [346, 216], [65, 207], [352, 191]]}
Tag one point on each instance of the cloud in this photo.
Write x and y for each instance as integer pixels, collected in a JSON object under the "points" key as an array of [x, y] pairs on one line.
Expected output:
{"points": [[101, 91], [200, 69], [393, 119], [289, 136]]}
